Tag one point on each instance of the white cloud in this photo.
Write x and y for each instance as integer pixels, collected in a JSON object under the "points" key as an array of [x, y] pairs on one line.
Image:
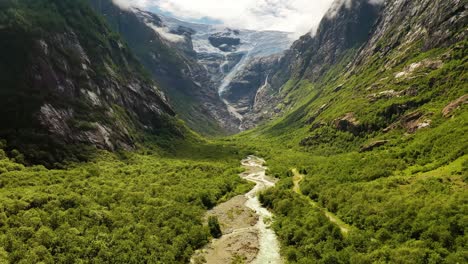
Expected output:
{"points": [[298, 16], [165, 33], [337, 4], [126, 4]]}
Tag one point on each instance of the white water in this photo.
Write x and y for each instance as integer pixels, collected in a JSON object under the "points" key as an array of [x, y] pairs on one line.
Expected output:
{"points": [[265, 85], [269, 246], [230, 76]]}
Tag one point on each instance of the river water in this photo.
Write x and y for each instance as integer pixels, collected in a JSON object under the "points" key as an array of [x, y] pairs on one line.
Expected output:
{"points": [[269, 246], [246, 224]]}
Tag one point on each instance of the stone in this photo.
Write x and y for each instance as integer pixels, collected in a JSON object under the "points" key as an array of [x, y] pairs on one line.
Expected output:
{"points": [[348, 123], [454, 105], [411, 122], [373, 145]]}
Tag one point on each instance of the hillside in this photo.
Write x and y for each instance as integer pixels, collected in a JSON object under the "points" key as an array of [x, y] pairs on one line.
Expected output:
{"points": [[70, 83], [378, 125]]}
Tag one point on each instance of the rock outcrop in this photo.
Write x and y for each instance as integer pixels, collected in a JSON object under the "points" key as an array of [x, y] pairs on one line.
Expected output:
{"points": [[348, 123], [371, 146], [225, 41], [411, 122], [251, 91], [450, 108], [62, 88]]}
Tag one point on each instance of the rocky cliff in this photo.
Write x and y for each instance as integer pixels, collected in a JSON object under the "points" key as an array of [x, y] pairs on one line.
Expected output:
{"points": [[346, 26], [68, 80], [433, 24], [167, 52]]}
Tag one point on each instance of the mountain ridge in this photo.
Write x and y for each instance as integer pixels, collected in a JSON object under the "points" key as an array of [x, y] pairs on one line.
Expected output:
{"points": [[73, 85], [172, 66]]}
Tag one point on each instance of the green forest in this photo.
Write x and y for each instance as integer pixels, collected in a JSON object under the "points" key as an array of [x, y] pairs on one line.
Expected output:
{"points": [[118, 208]]}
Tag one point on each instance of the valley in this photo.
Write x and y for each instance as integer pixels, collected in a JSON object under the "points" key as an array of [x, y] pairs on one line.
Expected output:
{"points": [[128, 136], [226, 53]]}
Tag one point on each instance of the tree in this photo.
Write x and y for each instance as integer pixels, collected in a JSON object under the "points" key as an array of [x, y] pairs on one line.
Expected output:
{"points": [[215, 229]]}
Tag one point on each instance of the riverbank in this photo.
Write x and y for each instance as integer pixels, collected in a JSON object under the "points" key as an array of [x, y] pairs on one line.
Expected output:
{"points": [[247, 237]]}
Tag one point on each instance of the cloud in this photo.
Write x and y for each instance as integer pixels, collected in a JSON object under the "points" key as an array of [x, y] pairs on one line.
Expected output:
{"points": [[297, 16], [126, 4], [166, 34], [337, 4]]}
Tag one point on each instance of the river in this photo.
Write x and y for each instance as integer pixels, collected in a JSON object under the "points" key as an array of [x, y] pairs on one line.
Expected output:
{"points": [[269, 246], [245, 224]]}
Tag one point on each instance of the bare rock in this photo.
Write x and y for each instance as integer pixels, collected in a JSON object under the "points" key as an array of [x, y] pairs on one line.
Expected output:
{"points": [[422, 65], [348, 123], [56, 119], [411, 122], [338, 88], [373, 145], [388, 94], [383, 95], [450, 108]]}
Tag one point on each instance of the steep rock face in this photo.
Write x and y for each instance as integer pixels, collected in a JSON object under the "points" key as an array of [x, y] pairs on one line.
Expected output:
{"points": [[251, 91], [225, 41], [67, 79], [167, 52], [454, 105], [245, 84], [344, 27], [403, 23]]}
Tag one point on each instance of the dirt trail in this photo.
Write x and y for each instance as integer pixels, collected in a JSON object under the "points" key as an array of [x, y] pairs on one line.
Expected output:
{"points": [[297, 178], [244, 224]]}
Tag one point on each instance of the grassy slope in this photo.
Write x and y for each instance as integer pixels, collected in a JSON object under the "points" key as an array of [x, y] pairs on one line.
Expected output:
{"points": [[407, 198]]}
